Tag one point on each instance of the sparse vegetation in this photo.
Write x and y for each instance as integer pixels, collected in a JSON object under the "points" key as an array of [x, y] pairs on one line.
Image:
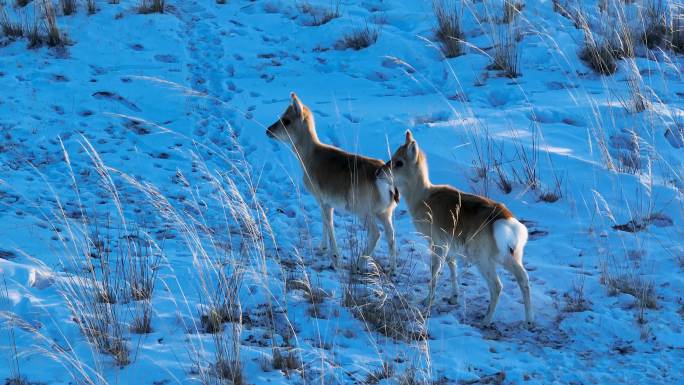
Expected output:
{"points": [[68, 7], [372, 301], [599, 57], [632, 283], [512, 9], [386, 371], [575, 300], [506, 56], [359, 38], [9, 28], [448, 30], [54, 37], [35, 40], [222, 243], [321, 16], [152, 6], [286, 359]]}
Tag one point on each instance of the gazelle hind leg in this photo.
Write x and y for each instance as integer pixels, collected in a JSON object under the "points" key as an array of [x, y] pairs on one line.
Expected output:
{"points": [[373, 236], [520, 274], [435, 267], [488, 270], [386, 220]]}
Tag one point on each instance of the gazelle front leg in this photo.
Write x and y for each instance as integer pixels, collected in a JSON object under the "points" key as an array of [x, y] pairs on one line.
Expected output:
{"points": [[386, 219], [488, 271], [324, 237], [329, 227]]}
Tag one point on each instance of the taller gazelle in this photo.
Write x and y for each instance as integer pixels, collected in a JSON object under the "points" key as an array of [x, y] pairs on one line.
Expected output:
{"points": [[460, 224], [338, 180]]}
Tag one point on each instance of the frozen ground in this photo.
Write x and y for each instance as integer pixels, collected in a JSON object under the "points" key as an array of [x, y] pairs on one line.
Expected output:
{"points": [[154, 124]]}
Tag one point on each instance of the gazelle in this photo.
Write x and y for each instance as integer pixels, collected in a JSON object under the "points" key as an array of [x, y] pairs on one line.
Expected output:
{"points": [[338, 180], [460, 224]]}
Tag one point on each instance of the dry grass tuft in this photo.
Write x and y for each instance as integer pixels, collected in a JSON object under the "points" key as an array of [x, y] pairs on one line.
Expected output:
{"points": [[321, 16], [599, 57], [575, 300], [152, 6], [286, 359], [506, 57], [383, 373], [630, 282], [35, 40], [68, 7], [677, 37], [448, 30], [9, 28], [142, 323], [359, 38], [230, 370], [91, 7], [54, 37], [368, 298], [511, 10]]}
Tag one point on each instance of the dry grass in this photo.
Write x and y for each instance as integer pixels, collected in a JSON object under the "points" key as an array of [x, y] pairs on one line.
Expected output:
{"points": [[286, 359], [231, 371], [634, 285], [506, 56], [35, 40], [386, 371], [575, 299], [528, 157], [376, 303], [638, 102], [152, 6], [142, 322], [321, 16], [54, 37], [68, 7], [677, 37], [10, 28], [511, 10], [448, 30], [91, 7], [597, 52], [359, 38], [600, 57]]}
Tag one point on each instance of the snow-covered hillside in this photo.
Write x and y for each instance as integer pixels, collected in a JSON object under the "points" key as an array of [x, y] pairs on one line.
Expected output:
{"points": [[151, 233]]}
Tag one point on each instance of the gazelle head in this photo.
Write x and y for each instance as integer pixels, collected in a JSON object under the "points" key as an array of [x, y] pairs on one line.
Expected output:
{"points": [[407, 165], [295, 125]]}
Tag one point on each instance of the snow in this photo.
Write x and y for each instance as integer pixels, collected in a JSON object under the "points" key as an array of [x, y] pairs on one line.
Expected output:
{"points": [[178, 103]]}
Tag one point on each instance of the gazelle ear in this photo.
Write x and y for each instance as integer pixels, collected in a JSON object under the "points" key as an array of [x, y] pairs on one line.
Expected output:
{"points": [[296, 103], [409, 137], [412, 150]]}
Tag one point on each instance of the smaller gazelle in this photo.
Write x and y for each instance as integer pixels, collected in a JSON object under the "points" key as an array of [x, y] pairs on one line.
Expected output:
{"points": [[460, 224], [338, 180]]}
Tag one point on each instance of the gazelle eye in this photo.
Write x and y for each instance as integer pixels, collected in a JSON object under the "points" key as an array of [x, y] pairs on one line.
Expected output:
{"points": [[398, 164], [286, 122]]}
